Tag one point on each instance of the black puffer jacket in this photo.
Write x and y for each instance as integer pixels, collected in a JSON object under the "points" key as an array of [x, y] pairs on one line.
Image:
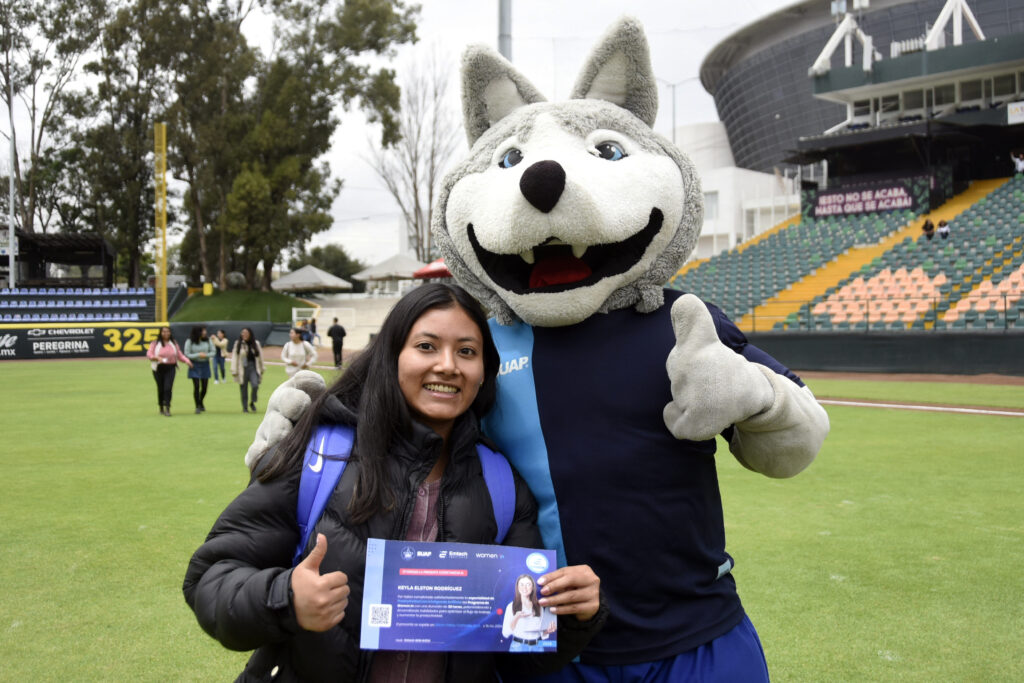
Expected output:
{"points": [[238, 581]]}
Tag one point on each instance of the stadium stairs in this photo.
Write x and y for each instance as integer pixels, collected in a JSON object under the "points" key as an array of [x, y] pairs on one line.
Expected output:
{"points": [[789, 302]]}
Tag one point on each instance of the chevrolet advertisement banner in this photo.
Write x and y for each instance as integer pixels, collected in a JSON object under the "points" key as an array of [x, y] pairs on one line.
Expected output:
{"points": [[28, 342]]}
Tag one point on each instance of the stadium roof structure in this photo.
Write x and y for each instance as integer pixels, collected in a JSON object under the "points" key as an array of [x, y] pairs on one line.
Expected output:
{"points": [[927, 104], [37, 250]]}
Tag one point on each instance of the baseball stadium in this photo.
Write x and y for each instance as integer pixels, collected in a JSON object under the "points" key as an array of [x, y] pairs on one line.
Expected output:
{"points": [[893, 286]]}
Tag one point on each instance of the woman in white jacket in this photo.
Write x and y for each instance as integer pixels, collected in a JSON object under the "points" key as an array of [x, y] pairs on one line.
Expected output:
{"points": [[526, 622], [247, 367], [297, 354]]}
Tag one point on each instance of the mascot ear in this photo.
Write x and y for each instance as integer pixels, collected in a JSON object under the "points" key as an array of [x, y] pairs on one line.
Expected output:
{"points": [[491, 89], [619, 71]]}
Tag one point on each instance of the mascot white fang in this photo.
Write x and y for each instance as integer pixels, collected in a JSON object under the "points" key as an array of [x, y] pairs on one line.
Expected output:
{"points": [[565, 220]]}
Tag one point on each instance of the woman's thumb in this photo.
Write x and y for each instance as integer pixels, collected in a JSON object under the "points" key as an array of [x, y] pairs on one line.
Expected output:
{"points": [[316, 555]]}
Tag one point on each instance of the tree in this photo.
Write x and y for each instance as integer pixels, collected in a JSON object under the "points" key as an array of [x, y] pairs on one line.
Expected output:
{"points": [[209, 118], [282, 195], [333, 259], [43, 43], [412, 169]]}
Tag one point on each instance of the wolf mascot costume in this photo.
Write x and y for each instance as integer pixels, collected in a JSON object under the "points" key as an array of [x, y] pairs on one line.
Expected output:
{"points": [[565, 221]]}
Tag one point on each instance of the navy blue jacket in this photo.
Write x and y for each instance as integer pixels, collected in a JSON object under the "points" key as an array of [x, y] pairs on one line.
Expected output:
{"points": [[579, 415]]}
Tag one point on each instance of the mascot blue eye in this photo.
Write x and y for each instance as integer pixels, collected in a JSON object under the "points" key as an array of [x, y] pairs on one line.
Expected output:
{"points": [[511, 158], [610, 151]]}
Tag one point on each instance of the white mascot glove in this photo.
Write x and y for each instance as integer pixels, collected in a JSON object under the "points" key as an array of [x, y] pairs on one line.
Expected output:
{"points": [[284, 408], [713, 387], [779, 425]]}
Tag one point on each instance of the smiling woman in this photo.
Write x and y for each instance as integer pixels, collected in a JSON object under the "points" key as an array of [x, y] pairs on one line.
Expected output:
{"points": [[415, 398], [441, 367]]}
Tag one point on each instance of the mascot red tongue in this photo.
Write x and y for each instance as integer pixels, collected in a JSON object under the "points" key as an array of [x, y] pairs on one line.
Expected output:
{"points": [[558, 270]]}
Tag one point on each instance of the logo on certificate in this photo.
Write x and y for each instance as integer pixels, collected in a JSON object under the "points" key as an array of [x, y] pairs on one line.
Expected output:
{"points": [[408, 553], [537, 563]]}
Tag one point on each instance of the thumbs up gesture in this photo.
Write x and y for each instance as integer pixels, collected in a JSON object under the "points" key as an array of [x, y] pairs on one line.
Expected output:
{"points": [[319, 600], [712, 385]]}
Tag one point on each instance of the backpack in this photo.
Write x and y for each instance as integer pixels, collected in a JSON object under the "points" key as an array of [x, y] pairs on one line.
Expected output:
{"points": [[321, 475]]}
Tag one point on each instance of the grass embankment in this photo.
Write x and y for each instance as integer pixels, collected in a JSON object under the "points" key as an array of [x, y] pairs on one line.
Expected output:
{"points": [[895, 556], [239, 305]]}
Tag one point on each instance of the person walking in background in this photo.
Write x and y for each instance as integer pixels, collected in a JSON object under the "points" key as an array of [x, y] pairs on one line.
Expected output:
{"points": [[220, 346], [314, 336], [943, 229], [247, 367], [164, 355], [297, 354], [199, 349], [337, 334]]}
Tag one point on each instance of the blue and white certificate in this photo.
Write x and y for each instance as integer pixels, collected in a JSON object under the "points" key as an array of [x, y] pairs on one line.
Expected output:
{"points": [[455, 597]]}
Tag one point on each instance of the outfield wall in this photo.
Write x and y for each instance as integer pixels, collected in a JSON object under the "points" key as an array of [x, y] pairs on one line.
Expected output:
{"points": [[948, 353], [101, 340]]}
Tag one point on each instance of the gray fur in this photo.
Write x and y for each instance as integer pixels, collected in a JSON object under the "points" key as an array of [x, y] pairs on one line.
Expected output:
{"points": [[483, 71], [481, 67], [624, 45]]}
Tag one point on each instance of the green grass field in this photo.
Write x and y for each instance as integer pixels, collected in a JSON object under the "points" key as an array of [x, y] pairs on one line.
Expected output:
{"points": [[894, 557]]}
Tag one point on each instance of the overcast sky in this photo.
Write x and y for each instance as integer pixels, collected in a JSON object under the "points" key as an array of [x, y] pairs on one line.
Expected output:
{"points": [[550, 40]]}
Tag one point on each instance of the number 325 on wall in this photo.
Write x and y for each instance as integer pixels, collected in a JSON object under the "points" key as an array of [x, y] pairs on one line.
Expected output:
{"points": [[129, 339]]}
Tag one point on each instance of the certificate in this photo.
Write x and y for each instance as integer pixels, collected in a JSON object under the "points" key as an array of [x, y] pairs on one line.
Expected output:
{"points": [[455, 597]]}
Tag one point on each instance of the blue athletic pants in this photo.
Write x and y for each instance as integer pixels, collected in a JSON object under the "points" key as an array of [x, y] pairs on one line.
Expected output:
{"points": [[734, 657]]}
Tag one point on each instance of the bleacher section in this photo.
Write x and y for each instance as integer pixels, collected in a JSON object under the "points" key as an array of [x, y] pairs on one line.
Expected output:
{"points": [[77, 305], [972, 280], [741, 279]]}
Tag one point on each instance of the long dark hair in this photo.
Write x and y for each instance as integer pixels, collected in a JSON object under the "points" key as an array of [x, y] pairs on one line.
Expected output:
{"points": [[196, 335], [370, 388], [251, 349], [170, 336], [517, 599]]}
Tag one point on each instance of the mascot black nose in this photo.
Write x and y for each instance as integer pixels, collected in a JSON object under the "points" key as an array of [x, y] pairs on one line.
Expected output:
{"points": [[542, 184]]}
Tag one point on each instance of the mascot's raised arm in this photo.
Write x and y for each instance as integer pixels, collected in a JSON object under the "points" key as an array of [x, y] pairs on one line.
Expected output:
{"points": [[566, 220]]}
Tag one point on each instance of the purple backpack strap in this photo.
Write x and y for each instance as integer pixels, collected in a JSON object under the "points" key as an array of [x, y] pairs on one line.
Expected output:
{"points": [[498, 475], [319, 477]]}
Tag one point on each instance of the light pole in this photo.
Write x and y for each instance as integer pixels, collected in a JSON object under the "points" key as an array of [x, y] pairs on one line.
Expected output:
{"points": [[12, 278], [673, 87]]}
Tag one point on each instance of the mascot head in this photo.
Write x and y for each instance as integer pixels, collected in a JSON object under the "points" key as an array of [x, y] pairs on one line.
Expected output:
{"points": [[566, 209]]}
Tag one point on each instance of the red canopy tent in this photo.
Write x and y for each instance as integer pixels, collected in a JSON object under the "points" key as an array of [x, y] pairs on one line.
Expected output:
{"points": [[434, 269]]}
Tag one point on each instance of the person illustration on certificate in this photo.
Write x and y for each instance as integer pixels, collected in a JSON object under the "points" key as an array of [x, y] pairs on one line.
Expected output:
{"points": [[525, 620]]}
